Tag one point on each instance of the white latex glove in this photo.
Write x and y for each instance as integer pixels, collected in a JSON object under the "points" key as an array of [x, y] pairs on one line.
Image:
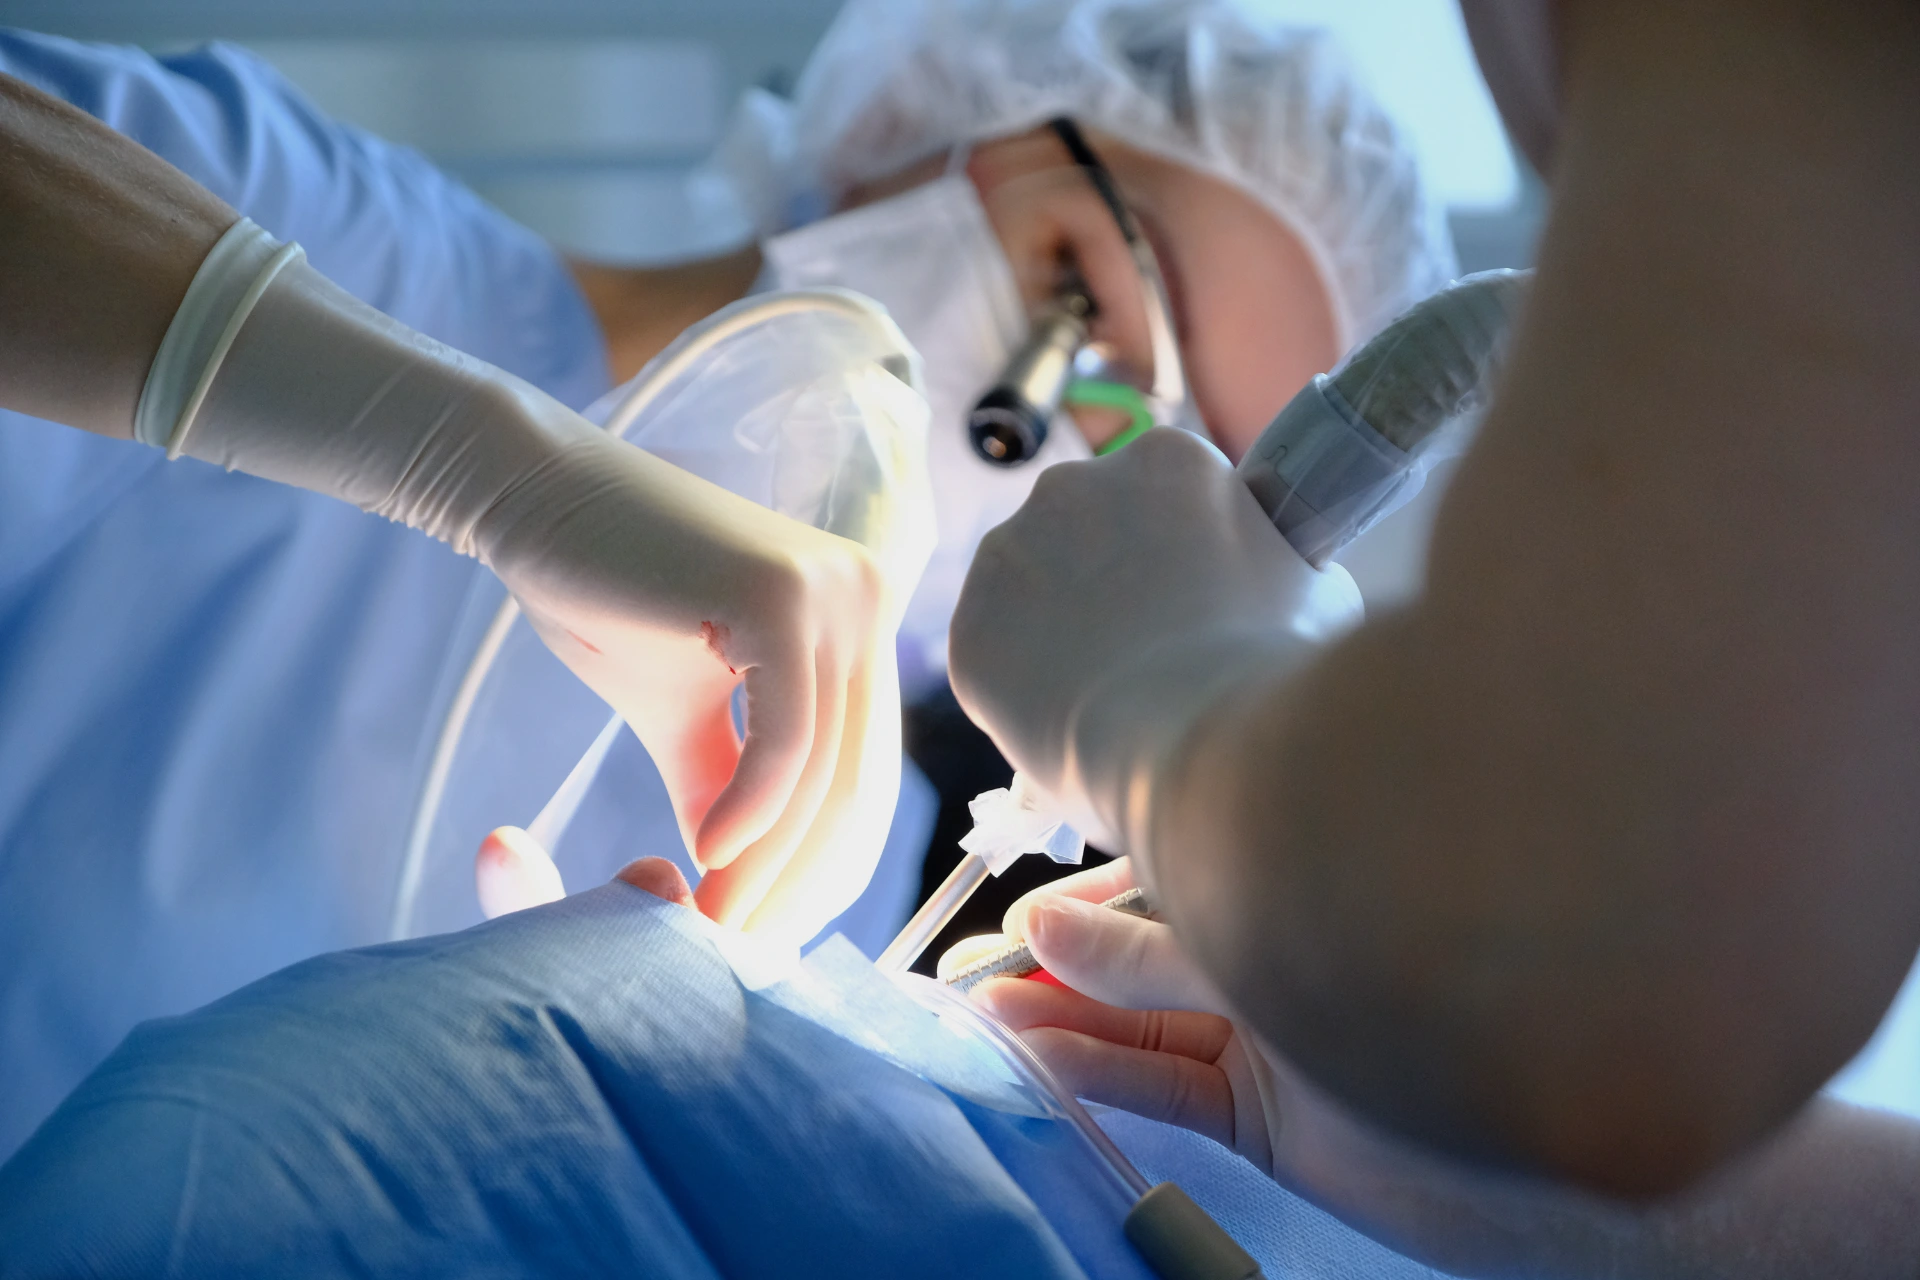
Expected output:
{"points": [[512, 873], [658, 589], [1127, 597], [1137, 1026]]}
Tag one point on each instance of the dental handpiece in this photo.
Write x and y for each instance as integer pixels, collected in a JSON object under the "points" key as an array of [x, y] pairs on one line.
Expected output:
{"points": [[1347, 451]]}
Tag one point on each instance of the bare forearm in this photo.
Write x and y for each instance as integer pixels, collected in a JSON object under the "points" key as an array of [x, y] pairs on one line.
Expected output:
{"points": [[99, 239], [1601, 859], [1835, 1194]]}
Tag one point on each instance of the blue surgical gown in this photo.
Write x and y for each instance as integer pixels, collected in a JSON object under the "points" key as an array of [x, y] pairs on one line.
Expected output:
{"points": [[218, 696]]}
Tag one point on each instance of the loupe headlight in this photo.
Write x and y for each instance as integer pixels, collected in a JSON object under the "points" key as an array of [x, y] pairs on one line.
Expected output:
{"points": [[1009, 423]]}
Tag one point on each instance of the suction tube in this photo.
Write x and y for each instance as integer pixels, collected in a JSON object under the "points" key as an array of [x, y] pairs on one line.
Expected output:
{"points": [[1354, 446]]}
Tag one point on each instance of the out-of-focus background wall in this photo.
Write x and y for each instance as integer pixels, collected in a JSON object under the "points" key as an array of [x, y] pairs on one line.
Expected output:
{"points": [[582, 118]]}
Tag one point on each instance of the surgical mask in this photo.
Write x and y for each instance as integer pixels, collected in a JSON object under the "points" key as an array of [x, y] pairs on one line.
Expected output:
{"points": [[930, 256]]}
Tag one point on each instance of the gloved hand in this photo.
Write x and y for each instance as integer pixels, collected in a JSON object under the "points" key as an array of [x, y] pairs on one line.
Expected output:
{"points": [[1137, 1026], [660, 590], [513, 873], [1127, 597]]}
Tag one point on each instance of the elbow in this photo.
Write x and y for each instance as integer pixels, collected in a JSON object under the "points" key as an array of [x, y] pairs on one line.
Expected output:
{"points": [[1658, 1118], [1634, 1091], [1645, 1098]]}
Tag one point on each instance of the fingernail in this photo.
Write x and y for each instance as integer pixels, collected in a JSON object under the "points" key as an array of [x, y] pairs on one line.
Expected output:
{"points": [[985, 995], [1015, 923], [1056, 927], [707, 857]]}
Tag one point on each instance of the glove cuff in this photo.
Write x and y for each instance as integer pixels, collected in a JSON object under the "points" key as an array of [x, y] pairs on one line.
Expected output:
{"points": [[306, 385], [231, 279]]}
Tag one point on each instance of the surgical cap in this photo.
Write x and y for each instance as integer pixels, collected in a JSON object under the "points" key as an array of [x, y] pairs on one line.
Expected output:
{"points": [[1272, 109]]}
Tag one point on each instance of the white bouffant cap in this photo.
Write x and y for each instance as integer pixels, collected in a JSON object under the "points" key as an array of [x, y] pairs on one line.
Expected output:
{"points": [[1273, 109]]}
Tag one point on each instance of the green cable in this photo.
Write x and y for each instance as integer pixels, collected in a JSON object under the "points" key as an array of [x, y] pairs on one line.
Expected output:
{"points": [[1095, 392]]}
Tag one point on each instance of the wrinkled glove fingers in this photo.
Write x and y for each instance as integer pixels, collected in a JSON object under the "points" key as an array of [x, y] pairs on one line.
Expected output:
{"points": [[1160, 1086], [705, 760], [1116, 958], [783, 715], [1095, 884], [1024, 1005], [818, 866], [730, 893]]}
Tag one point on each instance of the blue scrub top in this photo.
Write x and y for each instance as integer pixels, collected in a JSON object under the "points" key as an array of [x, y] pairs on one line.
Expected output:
{"points": [[218, 695]]}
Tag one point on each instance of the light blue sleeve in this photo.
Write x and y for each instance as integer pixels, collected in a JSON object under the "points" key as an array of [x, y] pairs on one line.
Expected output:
{"points": [[377, 219], [217, 694]]}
